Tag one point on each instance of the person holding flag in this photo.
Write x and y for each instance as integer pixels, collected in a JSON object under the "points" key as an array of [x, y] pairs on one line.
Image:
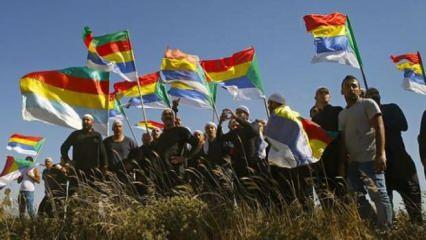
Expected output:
{"points": [[29, 177]]}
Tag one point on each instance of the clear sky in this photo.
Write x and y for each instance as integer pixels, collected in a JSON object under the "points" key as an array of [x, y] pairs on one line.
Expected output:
{"points": [[46, 35]]}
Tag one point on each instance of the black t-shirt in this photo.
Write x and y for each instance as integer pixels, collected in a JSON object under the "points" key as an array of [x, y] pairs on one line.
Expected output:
{"points": [[328, 117], [54, 181], [172, 142], [118, 151]]}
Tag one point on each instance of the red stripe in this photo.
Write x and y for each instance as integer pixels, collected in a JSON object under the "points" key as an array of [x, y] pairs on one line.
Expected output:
{"points": [[143, 80], [223, 64], [313, 21], [156, 124], [314, 131], [113, 47], [72, 83], [29, 138], [9, 162], [412, 57], [87, 39]]}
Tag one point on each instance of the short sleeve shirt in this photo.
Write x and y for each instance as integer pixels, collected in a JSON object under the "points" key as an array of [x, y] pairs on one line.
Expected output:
{"points": [[360, 137]]}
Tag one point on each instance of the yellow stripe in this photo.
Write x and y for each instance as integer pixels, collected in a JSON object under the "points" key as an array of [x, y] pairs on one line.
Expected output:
{"points": [[236, 71], [133, 92], [178, 65], [317, 147], [181, 85], [23, 141], [408, 65], [31, 85], [92, 47], [119, 57], [329, 31]]}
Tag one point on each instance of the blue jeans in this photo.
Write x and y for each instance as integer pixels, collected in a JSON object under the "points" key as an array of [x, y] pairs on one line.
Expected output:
{"points": [[363, 178], [26, 200]]}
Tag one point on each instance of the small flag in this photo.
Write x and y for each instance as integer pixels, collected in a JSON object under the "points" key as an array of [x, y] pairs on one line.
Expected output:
{"points": [[111, 52], [115, 110], [186, 78], [414, 73], [333, 38], [150, 124], [239, 74], [27, 145], [12, 170]]}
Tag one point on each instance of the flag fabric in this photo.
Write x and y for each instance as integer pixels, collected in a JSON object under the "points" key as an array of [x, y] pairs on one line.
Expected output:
{"points": [[153, 92], [150, 124], [28, 145], [318, 137], [239, 74], [111, 52], [333, 39], [12, 170], [63, 97], [115, 110], [290, 145], [414, 72], [186, 78]]}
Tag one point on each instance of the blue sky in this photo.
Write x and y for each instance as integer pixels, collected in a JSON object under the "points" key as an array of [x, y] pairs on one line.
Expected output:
{"points": [[46, 35]]}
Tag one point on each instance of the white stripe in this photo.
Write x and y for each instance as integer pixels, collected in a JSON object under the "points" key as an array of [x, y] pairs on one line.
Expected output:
{"points": [[245, 93], [18, 149], [410, 85], [200, 87], [342, 57], [280, 155], [4, 180], [193, 102]]}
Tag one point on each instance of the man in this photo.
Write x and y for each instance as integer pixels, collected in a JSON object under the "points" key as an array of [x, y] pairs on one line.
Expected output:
{"points": [[155, 134], [329, 184], [118, 147], [363, 145], [401, 174], [88, 151], [422, 141], [290, 170], [29, 177], [55, 181], [212, 147]]}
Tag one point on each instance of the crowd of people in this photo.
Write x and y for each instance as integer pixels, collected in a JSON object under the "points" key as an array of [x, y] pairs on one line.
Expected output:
{"points": [[367, 156]]}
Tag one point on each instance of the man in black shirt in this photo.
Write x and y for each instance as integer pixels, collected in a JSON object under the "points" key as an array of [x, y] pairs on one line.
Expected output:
{"points": [[117, 147], [88, 151], [422, 141], [401, 174]]}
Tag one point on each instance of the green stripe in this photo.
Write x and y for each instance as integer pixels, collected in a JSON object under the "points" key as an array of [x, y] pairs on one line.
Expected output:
{"points": [[87, 73], [112, 37], [23, 163], [161, 92], [213, 90], [254, 75], [352, 40]]}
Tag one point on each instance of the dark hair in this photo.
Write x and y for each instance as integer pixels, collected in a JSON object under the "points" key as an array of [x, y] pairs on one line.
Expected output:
{"points": [[348, 78]]}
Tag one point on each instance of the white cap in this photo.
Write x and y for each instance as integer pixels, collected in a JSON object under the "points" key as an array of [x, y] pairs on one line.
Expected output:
{"points": [[210, 124], [278, 98], [88, 116], [244, 109]]}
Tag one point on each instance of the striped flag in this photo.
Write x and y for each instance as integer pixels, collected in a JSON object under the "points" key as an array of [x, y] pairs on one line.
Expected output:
{"points": [[12, 170], [318, 137], [414, 73], [153, 92], [150, 124], [28, 145], [111, 52], [63, 97], [239, 74], [333, 38], [186, 78]]}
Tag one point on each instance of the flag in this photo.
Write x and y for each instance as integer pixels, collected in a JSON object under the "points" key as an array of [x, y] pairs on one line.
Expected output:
{"points": [[150, 124], [333, 39], [12, 170], [27, 145], [239, 74], [186, 78], [414, 73], [63, 97], [153, 92], [111, 52], [290, 145], [318, 137], [115, 110]]}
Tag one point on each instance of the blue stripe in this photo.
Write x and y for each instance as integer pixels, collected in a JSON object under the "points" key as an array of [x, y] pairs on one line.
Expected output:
{"points": [[332, 44], [180, 75], [125, 67], [240, 83], [414, 77], [190, 94], [23, 146], [150, 98]]}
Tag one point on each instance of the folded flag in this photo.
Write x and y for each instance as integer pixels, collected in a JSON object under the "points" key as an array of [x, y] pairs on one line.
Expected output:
{"points": [[111, 52], [318, 137], [27, 145], [153, 92], [186, 78], [63, 97], [414, 73], [12, 170], [150, 124], [290, 145], [239, 74], [333, 39]]}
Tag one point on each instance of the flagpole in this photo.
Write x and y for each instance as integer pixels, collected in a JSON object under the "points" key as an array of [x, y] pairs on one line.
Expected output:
{"points": [[127, 120], [139, 86], [421, 64], [266, 107]]}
